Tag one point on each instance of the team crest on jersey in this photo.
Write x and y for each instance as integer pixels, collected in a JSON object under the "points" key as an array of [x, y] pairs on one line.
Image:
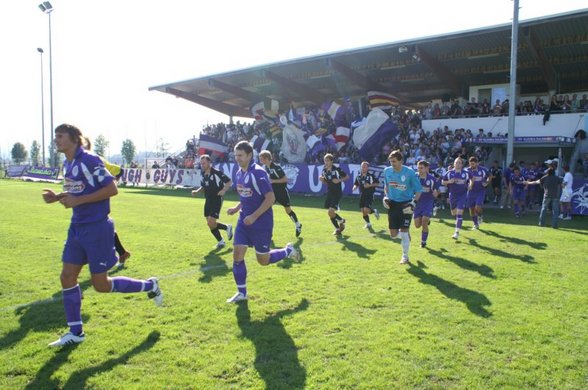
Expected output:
{"points": [[75, 171], [291, 172], [428, 182], [403, 178], [246, 179]]}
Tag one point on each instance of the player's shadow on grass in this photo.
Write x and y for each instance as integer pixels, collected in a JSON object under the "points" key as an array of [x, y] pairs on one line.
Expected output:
{"points": [[214, 266], [515, 240], [41, 316], [474, 300], [287, 263], [482, 269], [276, 355], [78, 379], [360, 250], [500, 253]]}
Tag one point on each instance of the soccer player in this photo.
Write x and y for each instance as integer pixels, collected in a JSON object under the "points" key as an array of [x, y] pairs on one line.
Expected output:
{"points": [[367, 183], [496, 180], [566, 194], [402, 188], [215, 184], [518, 189], [476, 190], [256, 219], [333, 176], [279, 182], [88, 188], [424, 207], [456, 180]]}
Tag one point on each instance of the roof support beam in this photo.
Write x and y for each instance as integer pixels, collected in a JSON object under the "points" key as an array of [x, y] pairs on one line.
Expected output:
{"points": [[548, 71], [251, 97], [227, 109], [440, 70], [297, 88], [355, 77]]}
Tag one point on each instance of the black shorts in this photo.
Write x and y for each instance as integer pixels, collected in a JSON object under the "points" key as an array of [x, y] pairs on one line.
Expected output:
{"points": [[366, 201], [397, 218], [495, 183], [212, 207], [283, 198], [332, 201]]}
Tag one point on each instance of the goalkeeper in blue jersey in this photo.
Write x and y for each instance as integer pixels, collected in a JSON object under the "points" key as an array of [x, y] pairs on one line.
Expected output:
{"points": [[402, 188]]}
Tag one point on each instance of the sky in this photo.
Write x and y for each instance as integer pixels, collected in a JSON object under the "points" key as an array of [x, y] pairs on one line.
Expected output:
{"points": [[107, 54]]}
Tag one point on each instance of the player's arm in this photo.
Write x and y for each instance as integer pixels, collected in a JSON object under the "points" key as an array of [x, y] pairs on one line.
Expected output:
{"points": [[235, 209], [355, 184], [103, 193], [197, 190], [282, 178], [49, 196], [226, 187]]}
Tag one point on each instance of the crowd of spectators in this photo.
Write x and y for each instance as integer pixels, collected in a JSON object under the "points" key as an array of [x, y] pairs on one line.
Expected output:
{"points": [[439, 147]]}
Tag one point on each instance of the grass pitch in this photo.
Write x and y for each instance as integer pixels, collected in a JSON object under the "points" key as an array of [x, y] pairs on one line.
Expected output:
{"points": [[505, 306]]}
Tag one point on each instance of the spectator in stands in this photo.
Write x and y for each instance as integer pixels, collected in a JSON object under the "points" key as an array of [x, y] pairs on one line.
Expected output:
{"points": [[497, 109]]}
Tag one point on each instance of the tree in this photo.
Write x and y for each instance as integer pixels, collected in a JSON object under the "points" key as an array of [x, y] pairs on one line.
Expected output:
{"points": [[35, 154], [19, 153], [128, 150], [100, 145]]}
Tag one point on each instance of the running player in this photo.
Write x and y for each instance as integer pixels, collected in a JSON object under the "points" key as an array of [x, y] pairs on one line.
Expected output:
{"points": [[333, 176], [279, 182], [256, 219], [476, 190], [367, 183], [496, 181], [424, 207], [518, 189], [215, 184], [456, 180], [88, 188], [402, 188]]}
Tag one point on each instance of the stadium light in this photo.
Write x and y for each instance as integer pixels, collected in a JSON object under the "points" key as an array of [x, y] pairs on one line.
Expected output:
{"points": [[40, 50], [47, 8]]}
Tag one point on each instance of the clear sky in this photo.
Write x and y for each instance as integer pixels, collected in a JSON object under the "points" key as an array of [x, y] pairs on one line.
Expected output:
{"points": [[106, 54]]}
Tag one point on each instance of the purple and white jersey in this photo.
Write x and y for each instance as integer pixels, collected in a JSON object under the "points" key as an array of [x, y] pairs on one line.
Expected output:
{"points": [[460, 187], [478, 176], [86, 174], [252, 186], [429, 184]]}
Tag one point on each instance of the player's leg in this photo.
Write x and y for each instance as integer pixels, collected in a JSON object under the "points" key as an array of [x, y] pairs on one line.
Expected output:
{"points": [[365, 212], [425, 231], [293, 217], [264, 257], [458, 223], [123, 255], [239, 267]]}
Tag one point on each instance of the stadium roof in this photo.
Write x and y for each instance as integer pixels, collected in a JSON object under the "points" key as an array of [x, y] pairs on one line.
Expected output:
{"points": [[552, 56]]}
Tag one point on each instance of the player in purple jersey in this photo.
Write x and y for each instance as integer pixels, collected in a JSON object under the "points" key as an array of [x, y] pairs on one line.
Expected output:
{"points": [[424, 207], [456, 180], [518, 189], [333, 176], [215, 184], [476, 190], [256, 219], [88, 188]]}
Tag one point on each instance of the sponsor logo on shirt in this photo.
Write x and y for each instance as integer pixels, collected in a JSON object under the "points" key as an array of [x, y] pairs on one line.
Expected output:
{"points": [[244, 191], [396, 185], [73, 186]]}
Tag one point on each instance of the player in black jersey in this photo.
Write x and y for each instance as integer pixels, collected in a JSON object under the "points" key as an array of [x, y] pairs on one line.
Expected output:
{"points": [[333, 176], [367, 183], [214, 184], [279, 182]]}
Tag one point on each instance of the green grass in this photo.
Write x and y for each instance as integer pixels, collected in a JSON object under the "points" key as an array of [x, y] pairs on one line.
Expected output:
{"points": [[505, 306]]}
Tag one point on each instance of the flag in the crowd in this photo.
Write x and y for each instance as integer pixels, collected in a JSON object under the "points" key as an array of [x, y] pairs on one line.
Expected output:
{"points": [[342, 136], [320, 131], [212, 146], [265, 110], [259, 143], [275, 130], [336, 112], [312, 140], [382, 100], [293, 144], [373, 145], [369, 126]]}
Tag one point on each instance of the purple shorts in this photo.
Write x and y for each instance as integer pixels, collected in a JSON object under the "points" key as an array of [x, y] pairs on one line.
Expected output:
{"points": [[476, 198], [92, 244], [457, 202], [260, 239], [425, 210]]}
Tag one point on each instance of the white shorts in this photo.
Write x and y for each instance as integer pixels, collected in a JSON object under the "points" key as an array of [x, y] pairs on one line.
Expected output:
{"points": [[566, 196]]}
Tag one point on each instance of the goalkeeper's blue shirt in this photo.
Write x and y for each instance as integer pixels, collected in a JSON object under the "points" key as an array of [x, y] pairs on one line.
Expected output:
{"points": [[401, 186]]}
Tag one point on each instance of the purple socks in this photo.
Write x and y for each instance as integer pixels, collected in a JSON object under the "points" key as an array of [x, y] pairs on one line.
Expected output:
{"points": [[240, 274], [72, 303], [122, 284]]}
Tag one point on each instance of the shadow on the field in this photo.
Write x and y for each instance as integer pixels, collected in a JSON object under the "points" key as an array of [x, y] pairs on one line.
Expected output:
{"points": [[500, 253], [514, 240], [214, 266], [287, 263], [40, 316], [78, 379], [276, 355], [474, 300], [482, 269], [360, 250]]}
